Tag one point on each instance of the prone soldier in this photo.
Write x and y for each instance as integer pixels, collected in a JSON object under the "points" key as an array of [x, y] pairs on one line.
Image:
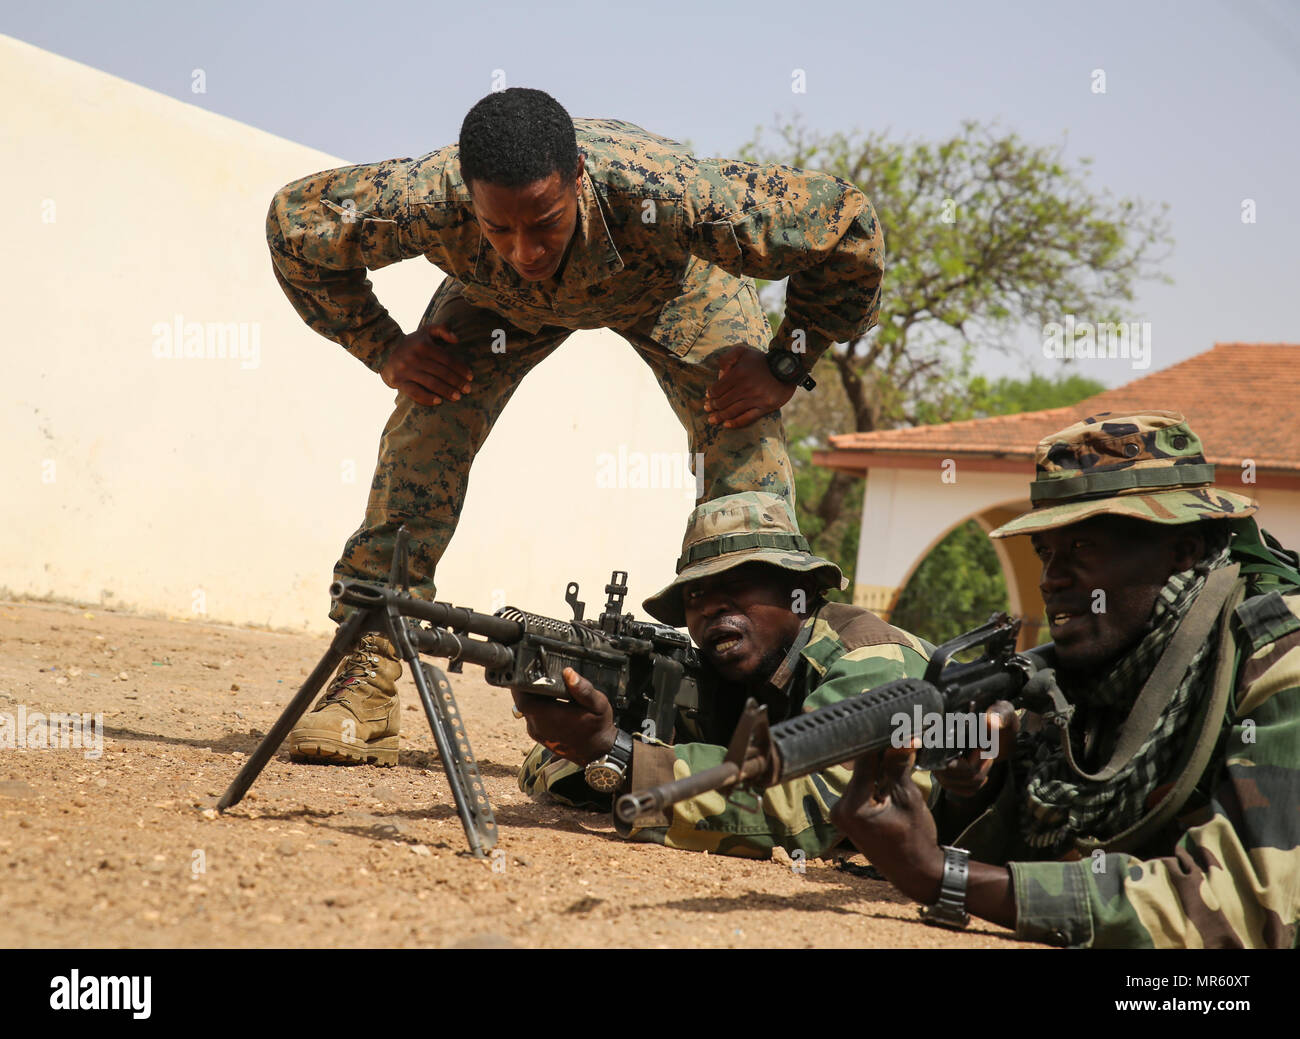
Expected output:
{"points": [[750, 593], [1154, 803]]}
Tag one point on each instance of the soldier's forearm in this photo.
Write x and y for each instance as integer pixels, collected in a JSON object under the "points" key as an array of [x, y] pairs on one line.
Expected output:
{"points": [[345, 313], [836, 303], [325, 232], [651, 765], [991, 895], [794, 815], [800, 339]]}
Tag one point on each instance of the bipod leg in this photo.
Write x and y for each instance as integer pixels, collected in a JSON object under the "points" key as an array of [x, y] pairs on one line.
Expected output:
{"points": [[472, 803], [453, 744], [344, 639]]}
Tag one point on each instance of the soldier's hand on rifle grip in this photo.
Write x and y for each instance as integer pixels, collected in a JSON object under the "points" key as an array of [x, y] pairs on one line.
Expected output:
{"points": [[745, 390], [424, 370], [967, 776], [580, 731], [885, 815]]}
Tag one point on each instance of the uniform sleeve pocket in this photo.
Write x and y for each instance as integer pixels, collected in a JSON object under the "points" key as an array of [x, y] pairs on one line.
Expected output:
{"points": [[347, 209], [716, 241]]}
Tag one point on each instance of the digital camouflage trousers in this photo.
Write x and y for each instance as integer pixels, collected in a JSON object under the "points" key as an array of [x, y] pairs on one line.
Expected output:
{"points": [[426, 453]]}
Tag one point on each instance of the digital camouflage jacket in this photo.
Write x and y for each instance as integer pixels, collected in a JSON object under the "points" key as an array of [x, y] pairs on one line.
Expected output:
{"points": [[849, 650], [663, 240], [1226, 873]]}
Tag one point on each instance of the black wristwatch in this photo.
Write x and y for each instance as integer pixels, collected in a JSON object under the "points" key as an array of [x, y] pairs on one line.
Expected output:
{"points": [[950, 910], [786, 367], [605, 774]]}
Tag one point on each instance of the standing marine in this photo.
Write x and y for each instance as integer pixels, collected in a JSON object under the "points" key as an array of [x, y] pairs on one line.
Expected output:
{"points": [[545, 225]]}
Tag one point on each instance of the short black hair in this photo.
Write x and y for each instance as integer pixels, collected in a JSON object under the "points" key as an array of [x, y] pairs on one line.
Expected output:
{"points": [[515, 137]]}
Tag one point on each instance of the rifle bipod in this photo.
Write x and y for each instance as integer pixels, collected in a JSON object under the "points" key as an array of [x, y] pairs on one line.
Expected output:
{"points": [[435, 695]]}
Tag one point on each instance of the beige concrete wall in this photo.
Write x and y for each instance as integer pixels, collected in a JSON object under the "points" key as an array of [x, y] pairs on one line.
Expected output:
{"points": [[229, 485]]}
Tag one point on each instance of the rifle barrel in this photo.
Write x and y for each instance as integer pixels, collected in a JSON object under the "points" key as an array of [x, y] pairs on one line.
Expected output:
{"points": [[447, 644], [457, 618], [657, 798]]}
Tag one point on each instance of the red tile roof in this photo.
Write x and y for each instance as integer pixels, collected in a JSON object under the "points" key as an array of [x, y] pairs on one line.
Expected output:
{"points": [[1242, 399]]}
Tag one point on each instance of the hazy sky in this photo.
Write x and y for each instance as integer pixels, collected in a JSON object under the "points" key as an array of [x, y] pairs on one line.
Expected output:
{"points": [[1200, 108]]}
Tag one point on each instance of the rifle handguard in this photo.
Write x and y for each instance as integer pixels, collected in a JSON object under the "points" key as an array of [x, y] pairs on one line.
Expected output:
{"points": [[842, 732], [796, 747], [762, 756]]}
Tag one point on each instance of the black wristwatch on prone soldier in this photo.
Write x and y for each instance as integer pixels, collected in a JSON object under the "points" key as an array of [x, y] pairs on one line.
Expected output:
{"points": [[786, 366]]}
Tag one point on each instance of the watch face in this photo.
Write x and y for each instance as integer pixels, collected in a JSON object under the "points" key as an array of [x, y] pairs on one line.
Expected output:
{"points": [[604, 779], [786, 364]]}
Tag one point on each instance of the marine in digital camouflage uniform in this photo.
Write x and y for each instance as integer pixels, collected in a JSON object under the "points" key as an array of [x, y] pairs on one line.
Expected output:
{"points": [[1187, 834], [664, 250], [838, 651]]}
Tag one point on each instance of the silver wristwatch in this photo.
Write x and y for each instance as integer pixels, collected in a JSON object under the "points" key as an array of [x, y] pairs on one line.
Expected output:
{"points": [[950, 910], [606, 773]]}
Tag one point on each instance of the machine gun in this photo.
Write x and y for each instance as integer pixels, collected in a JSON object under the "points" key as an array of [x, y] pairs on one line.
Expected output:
{"points": [[649, 671], [761, 756]]}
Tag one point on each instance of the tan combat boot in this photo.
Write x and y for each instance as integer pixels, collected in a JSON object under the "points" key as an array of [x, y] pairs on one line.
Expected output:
{"points": [[358, 718]]}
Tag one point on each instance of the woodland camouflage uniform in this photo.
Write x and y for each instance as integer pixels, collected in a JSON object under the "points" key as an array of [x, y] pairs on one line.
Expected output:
{"points": [[1224, 870], [842, 651]]}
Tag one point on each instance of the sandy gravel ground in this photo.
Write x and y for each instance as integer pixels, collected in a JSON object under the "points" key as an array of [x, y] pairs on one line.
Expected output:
{"points": [[117, 851]]}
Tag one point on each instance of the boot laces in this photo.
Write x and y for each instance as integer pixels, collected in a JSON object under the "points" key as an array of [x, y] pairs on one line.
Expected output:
{"points": [[360, 663]]}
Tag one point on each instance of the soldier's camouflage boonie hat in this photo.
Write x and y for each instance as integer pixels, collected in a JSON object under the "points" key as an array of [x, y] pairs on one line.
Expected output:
{"points": [[1148, 466], [751, 527]]}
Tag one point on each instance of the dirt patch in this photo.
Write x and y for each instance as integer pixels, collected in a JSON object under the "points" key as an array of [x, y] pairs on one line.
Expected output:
{"points": [[123, 849]]}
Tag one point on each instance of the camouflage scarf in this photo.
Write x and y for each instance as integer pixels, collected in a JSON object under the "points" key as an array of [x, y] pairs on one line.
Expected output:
{"points": [[1060, 806]]}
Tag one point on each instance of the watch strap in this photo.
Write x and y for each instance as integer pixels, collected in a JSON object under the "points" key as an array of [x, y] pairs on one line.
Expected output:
{"points": [[617, 760], [950, 910], [621, 752]]}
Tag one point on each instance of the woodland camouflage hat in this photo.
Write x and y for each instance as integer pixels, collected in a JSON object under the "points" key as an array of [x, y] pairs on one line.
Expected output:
{"points": [[1149, 466], [751, 527]]}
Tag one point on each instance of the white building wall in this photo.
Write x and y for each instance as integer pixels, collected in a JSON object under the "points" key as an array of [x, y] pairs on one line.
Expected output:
{"points": [[230, 485], [906, 512]]}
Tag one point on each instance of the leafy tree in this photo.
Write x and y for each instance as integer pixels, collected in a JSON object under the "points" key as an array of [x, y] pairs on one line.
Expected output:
{"points": [[955, 588], [1008, 396], [986, 235]]}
